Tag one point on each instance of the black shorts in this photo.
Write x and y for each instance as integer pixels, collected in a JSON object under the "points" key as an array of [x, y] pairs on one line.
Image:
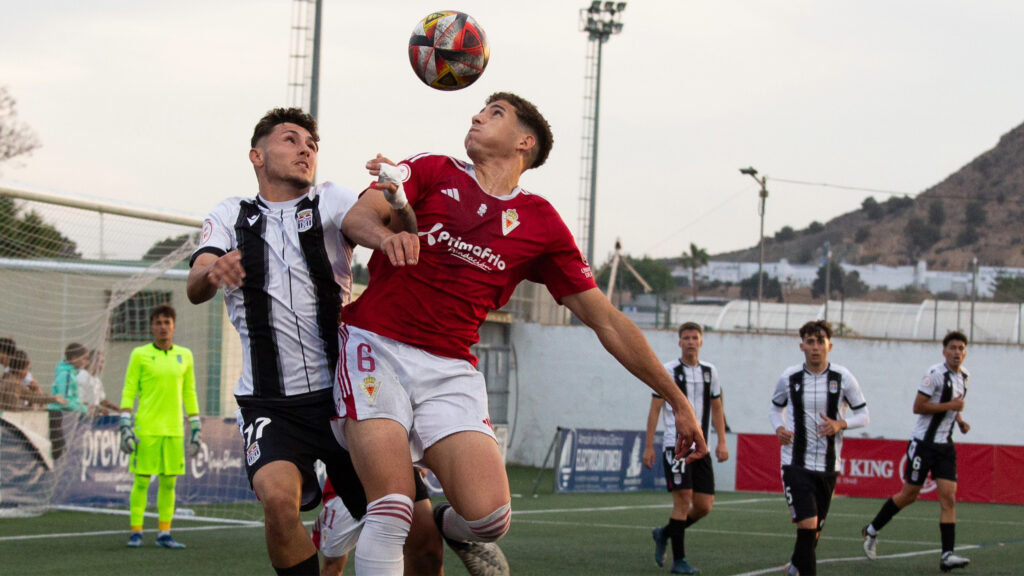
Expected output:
{"points": [[698, 476], [925, 457], [299, 431], [808, 493]]}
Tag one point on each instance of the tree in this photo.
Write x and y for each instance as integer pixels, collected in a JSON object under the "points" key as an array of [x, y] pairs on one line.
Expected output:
{"points": [[695, 259], [24, 235], [922, 236], [863, 233], [1009, 289], [652, 271], [872, 208], [28, 236], [815, 227], [785, 234], [165, 247], [849, 285], [770, 288], [16, 138], [936, 214]]}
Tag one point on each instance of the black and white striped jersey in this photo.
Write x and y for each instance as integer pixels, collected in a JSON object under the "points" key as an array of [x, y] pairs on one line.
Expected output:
{"points": [[699, 384], [804, 396], [940, 384], [297, 277]]}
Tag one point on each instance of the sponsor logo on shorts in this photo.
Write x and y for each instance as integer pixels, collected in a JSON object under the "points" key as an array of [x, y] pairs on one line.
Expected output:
{"points": [[253, 453], [509, 221], [304, 219], [370, 387]]}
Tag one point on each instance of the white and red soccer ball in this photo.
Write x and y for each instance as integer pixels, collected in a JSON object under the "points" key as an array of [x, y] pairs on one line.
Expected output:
{"points": [[448, 50]]}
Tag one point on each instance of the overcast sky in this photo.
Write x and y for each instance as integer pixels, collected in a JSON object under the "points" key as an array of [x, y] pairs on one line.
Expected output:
{"points": [[152, 102]]}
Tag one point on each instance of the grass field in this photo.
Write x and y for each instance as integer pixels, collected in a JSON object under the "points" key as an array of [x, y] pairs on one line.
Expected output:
{"points": [[586, 534]]}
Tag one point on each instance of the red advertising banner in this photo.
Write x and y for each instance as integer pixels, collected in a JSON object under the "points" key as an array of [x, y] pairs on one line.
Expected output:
{"points": [[874, 469]]}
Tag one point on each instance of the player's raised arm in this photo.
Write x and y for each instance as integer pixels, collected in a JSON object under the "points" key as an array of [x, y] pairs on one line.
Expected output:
{"points": [[627, 344]]}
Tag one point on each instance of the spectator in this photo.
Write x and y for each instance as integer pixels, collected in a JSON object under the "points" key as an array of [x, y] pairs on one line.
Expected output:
{"points": [[65, 383], [90, 387], [13, 395]]}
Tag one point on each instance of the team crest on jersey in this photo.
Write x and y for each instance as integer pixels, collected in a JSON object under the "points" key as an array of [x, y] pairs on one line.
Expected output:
{"points": [[707, 377], [370, 387], [796, 387], [509, 221], [253, 453], [304, 219], [207, 231], [833, 386], [180, 361]]}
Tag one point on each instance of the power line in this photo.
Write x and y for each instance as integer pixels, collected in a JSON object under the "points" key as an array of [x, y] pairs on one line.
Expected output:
{"points": [[841, 187]]}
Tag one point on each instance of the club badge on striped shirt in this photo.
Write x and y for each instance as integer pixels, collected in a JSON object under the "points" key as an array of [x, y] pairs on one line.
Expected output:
{"points": [[833, 386], [304, 219], [370, 387]]}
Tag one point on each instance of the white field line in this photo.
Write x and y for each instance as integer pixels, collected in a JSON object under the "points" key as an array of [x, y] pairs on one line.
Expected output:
{"points": [[777, 569]]}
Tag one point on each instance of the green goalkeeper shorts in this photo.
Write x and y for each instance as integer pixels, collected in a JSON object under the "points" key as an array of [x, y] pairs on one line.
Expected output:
{"points": [[164, 455]]}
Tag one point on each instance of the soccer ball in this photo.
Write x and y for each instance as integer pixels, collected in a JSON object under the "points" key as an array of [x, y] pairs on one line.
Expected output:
{"points": [[448, 50]]}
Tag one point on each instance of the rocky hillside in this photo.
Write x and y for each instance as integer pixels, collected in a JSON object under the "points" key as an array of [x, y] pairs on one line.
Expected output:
{"points": [[977, 211]]}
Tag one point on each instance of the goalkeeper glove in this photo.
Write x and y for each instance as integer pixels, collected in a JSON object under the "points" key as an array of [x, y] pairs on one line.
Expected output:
{"points": [[129, 441], [194, 444]]}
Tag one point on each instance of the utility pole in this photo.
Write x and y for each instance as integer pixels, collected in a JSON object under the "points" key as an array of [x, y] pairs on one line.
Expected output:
{"points": [[763, 195], [974, 294], [828, 275]]}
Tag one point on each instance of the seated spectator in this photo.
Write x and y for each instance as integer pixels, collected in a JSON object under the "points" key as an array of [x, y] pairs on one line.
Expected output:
{"points": [[14, 396], [7, 347], [90, 387]]}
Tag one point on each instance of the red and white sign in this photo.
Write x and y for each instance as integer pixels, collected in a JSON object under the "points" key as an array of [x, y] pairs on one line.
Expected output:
{"points": [[874, 469]]}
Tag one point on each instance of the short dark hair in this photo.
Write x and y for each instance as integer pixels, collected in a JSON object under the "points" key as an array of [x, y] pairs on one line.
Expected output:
{"points": [[74, 350], [280, 116], [162, 310], [19, 360], [815, 327], [954, 335], [7, 346], [691, 326], [532, 119]]}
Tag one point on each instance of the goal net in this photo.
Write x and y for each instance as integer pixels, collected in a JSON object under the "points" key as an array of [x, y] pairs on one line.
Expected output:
{"points": [[78, 283]]}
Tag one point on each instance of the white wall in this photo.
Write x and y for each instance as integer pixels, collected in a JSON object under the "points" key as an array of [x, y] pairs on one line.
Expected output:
{"points": [[565, 378]]}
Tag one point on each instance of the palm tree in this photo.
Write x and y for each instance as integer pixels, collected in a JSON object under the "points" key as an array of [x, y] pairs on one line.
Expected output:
{"points": [[695, 259]]}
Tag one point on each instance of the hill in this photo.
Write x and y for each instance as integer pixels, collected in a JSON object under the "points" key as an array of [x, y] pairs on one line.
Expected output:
{"points": [[977, 211]]}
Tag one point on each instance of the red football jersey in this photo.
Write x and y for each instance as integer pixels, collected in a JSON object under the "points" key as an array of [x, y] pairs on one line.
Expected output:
{"points": [[474, 250]]}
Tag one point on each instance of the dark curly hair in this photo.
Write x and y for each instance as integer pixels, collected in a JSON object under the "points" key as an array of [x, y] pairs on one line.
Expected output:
{"points": [[280, 116]]}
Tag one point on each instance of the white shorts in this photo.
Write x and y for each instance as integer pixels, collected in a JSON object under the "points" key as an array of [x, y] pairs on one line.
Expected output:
{"points": [[335, 531], [431, 396]]}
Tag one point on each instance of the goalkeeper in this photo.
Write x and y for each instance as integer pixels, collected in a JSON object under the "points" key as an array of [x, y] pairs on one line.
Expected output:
{"points": [[161, 376]]}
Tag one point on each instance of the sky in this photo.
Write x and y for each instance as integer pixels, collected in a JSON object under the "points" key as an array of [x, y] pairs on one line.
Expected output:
{"points": [[152, 103]]}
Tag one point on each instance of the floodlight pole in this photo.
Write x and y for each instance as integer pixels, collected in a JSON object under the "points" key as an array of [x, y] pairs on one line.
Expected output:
{"points": [[763, 195], [974, 293], [600, 22]]}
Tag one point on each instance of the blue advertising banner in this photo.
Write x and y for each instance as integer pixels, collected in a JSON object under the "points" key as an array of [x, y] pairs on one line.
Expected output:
{"points": [[96, 471], [606, 461]]}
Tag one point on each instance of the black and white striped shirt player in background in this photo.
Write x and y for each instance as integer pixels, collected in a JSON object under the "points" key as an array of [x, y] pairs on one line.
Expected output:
{"points": [[938, 404], [692, 485], [813, 403]]}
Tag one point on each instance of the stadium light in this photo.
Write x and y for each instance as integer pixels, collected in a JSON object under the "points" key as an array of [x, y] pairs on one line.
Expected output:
{"points": [[763, 194], [599, 22]]}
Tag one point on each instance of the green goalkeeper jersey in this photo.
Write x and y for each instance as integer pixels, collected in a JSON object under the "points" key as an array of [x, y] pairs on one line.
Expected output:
{"points": [[162, 381]]}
